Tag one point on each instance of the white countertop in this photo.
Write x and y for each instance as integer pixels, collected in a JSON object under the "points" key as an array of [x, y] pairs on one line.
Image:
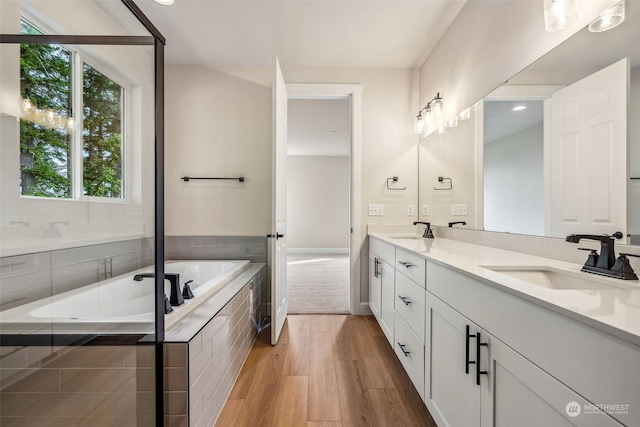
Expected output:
{"points": [[613, 311]]}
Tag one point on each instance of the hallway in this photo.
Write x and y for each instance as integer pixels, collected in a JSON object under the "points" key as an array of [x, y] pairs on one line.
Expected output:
{"points": [[327, 370]]}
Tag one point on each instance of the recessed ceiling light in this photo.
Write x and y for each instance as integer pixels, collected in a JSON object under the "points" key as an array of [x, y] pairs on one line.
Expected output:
{"points": [[165, 2], [519, 108]]}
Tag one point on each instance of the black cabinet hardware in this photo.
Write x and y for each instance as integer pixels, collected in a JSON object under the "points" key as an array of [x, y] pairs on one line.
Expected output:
{"points": [[406, 353], [376, 263], [278, 235], [478, 345], [467, 362], [405, 300], [189, 178], [405, 264]]}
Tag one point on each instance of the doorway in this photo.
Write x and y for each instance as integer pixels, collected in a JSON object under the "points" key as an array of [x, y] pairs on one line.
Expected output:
{"points": [[318, 205]]}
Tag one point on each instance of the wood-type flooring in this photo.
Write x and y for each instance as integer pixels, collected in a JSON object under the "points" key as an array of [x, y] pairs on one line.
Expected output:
{"points": [[325, 371]]}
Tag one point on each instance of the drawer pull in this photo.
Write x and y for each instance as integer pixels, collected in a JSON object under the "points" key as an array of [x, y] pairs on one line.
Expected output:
{"points": [[405, 264], [405, 300], [376, 263], [406, 353], [468, 362], [478, 345]]}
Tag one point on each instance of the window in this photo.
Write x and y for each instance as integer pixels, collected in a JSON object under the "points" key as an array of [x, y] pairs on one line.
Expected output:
{"points": [[54, 138]]}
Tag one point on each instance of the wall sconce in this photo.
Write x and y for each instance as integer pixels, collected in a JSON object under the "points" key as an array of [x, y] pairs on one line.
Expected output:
{"points": [[433, 107], [559, 14], [608, 19]]}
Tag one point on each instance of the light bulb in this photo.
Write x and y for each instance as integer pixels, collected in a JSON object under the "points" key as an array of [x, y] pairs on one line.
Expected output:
{"points": [[442, 130], [452, 123], [165, 2], [559, 14], [419, 124], [27, 105], [465, 114]]}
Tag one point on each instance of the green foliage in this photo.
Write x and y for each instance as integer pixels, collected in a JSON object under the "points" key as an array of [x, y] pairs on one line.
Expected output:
{"points": [[45, 152]]}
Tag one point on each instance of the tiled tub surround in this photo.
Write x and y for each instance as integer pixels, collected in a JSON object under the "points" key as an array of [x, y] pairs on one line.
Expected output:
{"points": [[85, 386], [27, 278], [252, 248], [205, 351]]}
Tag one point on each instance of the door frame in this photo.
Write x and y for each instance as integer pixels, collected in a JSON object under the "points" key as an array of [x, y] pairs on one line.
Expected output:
{"points": [[354, 93]]}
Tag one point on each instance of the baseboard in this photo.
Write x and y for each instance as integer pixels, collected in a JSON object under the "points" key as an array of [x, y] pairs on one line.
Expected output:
{"points": [[317, 250], [364, 310]]}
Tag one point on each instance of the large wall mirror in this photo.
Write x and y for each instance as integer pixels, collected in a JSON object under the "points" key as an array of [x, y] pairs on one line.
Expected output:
{"points": [[554, 151]]}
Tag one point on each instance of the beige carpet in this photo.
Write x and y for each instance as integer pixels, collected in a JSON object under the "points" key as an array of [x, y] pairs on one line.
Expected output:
{"points": [[318, 283]]}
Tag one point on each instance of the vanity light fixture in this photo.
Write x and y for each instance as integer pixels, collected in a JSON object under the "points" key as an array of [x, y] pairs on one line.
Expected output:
{"points": [[519, 108], [608, 19], [464, 114], [559, 14], [426, 113], [442, 130], [452, 123], [165, 2]]}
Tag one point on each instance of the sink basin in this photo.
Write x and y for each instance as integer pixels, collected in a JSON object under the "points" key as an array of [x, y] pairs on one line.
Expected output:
{"points": [[407, 237], [553, 278]]}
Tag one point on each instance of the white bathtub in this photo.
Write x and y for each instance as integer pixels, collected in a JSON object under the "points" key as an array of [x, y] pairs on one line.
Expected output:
{"points": [[119, 304]]}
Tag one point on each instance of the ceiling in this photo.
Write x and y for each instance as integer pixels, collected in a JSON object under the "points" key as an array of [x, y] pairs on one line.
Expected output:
{"points": [[304, 33], [501, 121], [318, 127]]}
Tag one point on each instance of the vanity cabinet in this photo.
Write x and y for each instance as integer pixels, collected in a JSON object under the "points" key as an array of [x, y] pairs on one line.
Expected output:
{"points": [[535, 368], [382, 285]]}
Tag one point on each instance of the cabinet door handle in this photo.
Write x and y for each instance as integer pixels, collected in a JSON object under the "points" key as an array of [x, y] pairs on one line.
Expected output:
{"points": [[405, 264], [478, 345], [467, 362], [406, 353], [405, 300], [376, 262]]}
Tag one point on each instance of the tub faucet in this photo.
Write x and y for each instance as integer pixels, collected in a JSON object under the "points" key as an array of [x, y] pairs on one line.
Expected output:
{"points": [[428, 233], [175, 297]]}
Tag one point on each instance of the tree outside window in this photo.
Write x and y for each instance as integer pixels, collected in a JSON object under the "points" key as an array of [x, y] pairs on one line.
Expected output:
{"points": [[48, 146]]}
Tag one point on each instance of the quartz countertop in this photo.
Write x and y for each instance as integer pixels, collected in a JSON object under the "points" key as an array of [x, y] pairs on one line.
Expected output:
{"points": [[614, 310]]}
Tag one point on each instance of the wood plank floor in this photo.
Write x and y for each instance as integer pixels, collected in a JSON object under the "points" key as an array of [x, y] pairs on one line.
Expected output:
{"points": [[326, 371]]}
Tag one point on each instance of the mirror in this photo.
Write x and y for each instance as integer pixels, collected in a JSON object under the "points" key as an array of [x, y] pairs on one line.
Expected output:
{"points": [[501, 161]]}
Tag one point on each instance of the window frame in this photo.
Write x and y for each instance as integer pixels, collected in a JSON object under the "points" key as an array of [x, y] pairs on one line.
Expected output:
{"points": [[78, 57]]}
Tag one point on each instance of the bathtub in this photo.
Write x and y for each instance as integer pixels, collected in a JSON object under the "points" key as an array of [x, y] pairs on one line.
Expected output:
{"points": [[119, 304]]}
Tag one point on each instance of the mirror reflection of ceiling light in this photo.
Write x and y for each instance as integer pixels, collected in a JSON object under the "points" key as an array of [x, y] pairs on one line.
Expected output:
{"points": [[559, 14], [165, 2], [608, 19], [519, 108]]}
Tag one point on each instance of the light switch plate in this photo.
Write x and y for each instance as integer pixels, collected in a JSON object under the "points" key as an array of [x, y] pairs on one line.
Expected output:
{"points": [[458, 210], [376, 210], [410, 210], [425, 210]]}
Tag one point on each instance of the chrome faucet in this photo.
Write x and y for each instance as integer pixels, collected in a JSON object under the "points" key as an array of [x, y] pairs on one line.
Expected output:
{"points": [[428, 233], [53, 231]]}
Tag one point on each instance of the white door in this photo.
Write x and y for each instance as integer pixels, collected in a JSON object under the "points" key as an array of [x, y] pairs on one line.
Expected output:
{"points": [[279, 202], [589, 154]]}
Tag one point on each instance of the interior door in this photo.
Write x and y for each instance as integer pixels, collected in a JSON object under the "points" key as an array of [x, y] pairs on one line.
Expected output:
{"points": [[589, 168], [279, 202]]}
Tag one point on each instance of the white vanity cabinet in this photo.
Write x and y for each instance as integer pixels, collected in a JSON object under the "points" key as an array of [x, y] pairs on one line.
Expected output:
{"points": [[382, 284], [517, 384]]}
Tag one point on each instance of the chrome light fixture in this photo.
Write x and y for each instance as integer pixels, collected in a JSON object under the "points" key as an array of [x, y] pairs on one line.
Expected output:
{"points": [[559, 14], [165, 2], [426, 113], [608, 19]]}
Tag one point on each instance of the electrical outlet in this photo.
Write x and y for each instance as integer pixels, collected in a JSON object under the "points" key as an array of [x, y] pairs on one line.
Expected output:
{"points": [[376, 210], [133, 210], [458, 210], [425, 210], [410, 210]]}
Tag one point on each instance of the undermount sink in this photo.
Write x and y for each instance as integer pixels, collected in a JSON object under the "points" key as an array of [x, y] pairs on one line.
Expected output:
{"points": [[407, 237], [553, 278]]}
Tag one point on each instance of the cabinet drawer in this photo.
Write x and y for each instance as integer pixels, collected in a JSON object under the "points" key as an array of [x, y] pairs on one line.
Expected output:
{"points": [[411, 265], [410, 351], [410, 304], [384, 250]]}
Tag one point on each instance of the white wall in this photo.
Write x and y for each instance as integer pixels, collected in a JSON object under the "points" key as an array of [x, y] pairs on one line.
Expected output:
{"points": [[318, 202], [207, 131], [449, 155], [487, 44], [217, 125], [514, 183]]}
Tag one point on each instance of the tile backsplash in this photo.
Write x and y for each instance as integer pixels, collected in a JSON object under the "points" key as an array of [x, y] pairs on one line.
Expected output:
{"points": [[252, 248], [26, 278]]}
